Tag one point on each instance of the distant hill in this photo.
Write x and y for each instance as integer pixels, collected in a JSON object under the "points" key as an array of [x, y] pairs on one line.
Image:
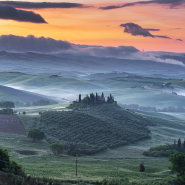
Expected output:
{"points": [[71, 65]]}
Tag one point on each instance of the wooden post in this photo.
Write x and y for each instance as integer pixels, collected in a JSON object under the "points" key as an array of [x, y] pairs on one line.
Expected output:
{"points": [[76, 163]]}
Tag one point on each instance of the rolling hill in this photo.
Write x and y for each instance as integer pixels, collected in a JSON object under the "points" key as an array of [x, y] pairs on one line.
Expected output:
{"points": [[91, 131], [12, 94]]}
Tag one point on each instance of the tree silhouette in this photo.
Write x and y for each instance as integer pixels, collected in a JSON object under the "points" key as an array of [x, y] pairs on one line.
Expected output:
{"points": [[179, 143]]}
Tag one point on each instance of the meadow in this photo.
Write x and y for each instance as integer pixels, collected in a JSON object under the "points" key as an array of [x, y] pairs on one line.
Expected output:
{"points": [[89, 169]]}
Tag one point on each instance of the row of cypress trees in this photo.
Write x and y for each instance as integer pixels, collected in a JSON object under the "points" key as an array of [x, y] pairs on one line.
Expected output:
{"points": [[95, 99]]}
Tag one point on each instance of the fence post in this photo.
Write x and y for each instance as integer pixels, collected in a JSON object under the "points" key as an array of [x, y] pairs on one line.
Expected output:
{"points": [[76, 163]]}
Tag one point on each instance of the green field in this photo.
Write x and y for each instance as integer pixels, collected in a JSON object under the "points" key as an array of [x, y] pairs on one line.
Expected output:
{"points": [[37, 109], [63, 166]]}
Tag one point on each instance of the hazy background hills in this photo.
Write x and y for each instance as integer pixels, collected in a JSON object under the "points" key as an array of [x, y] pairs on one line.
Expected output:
{"points": [[131, 81]]}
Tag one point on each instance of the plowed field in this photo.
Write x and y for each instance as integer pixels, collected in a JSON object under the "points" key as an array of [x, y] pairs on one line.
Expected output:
{"points": [[11, 124]]}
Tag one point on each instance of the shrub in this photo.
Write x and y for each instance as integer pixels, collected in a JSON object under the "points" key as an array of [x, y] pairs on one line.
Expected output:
{"points": [[8, 165], [6, 111], [36, 134], [142, 167], [178, 165], [57, 148]]}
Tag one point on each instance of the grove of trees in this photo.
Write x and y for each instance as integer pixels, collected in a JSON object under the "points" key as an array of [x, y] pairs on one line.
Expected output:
{"points": [[36, 134], [6, 111], [7, 104], [91, 100]]}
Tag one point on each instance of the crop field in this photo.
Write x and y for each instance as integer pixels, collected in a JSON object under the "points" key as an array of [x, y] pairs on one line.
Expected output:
{"points": [[11, 124], [93, 130]]}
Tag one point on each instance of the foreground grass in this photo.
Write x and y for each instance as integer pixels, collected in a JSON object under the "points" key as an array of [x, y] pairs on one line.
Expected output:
{"points": [[89, 169], [64, 167]]}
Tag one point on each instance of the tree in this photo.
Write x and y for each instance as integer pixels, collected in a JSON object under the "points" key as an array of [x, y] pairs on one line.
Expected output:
{"points": [[6, 111], [102, 95], [80, 98], [8, 165], [96, 97], [184, 144], [24, 112], [179, 143], [36, 134], [7, 104], [142, 167], [57, 148], [178, 165], [174, 143]]}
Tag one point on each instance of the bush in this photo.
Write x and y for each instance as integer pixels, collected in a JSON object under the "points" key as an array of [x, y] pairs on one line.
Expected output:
{"points": [[57, 148], [178, 165], [163, 150], [8, 165], [6, 111], [142, 167], [36, 134]]}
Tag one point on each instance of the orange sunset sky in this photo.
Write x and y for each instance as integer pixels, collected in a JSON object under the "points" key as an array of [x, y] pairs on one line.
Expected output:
{"points": [[94, 26]]}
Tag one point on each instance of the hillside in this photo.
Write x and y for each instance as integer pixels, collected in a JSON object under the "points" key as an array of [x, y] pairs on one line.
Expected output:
{"points": [[109, 126], [93, 130], [12, 94], [44, 83], [35, 63]]}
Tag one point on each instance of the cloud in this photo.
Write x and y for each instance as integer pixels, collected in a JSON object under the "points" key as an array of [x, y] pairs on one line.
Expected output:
{"points": [[171, 3], [180, 40], [39, 5], [117, 52], [164, 37], [10, 13], [14, 43], [151, 29], [136, 30]]}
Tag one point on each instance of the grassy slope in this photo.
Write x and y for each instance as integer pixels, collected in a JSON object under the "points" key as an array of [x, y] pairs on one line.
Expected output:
{"points": [[37, 109], [34, 81], [121, 89], [11, 94], [44, 164]]}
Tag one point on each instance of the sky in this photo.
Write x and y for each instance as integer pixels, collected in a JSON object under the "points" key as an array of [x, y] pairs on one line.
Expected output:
{"points": [[156, 25]]}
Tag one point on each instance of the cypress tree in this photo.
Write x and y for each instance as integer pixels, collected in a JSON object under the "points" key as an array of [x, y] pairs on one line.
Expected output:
{"points": [[96, 97], [184, 144], [102, 95], [142, 167], [174, 143], [80, 98], [179, 143]]}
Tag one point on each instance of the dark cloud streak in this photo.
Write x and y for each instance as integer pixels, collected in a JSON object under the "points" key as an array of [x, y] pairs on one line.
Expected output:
{"points": [[164, 37], [151, 29], [179, 40], [172, 3], [10, 13], [40, 5]]}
